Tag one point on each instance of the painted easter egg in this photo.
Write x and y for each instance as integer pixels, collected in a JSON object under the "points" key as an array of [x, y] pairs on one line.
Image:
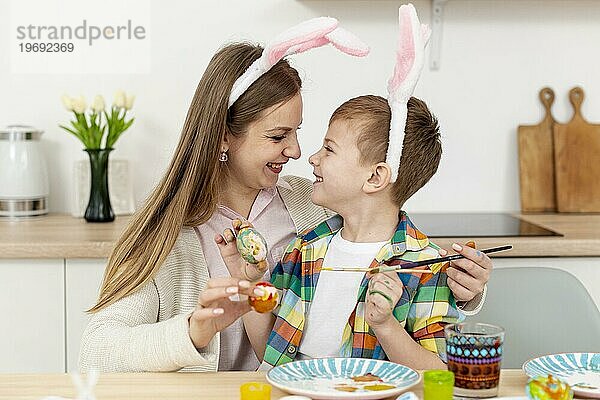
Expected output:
{"points": [[268, 301], [548, 388], [251, 245]]}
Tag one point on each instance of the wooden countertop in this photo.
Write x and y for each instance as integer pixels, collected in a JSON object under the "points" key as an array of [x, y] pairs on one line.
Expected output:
{"points": [[62, 236], [183, 386], [58, 236]]}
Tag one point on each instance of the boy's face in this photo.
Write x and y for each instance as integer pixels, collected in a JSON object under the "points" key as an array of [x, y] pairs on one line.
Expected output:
{"points": [[339, 174]]}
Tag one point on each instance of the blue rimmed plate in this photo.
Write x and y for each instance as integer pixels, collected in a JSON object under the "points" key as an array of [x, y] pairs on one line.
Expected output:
{"points": [[580, 370], [343, 378]]}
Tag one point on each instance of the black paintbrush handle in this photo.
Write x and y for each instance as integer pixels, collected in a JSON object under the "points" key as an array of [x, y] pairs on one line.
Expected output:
{"points": [[456, 256]]}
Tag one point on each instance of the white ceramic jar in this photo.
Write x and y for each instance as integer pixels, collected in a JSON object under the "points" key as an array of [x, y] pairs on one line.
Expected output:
{"points": [[23, 172]]}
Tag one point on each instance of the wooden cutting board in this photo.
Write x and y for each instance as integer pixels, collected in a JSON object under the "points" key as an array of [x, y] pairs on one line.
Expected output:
{"points": [[577, 158], [536, 161]]}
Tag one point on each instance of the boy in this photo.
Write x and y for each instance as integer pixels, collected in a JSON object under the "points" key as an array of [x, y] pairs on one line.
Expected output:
{"points": [[392, 316]]}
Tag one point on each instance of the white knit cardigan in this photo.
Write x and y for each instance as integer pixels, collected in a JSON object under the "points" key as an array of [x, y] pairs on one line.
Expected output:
{"points": [[148, 330]]}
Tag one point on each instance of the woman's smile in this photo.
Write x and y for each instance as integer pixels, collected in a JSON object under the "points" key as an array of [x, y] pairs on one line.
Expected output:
{"points": [[275, 167]]}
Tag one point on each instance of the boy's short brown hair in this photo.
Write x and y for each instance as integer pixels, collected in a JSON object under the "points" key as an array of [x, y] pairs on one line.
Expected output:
{"points": [[422, 148]]}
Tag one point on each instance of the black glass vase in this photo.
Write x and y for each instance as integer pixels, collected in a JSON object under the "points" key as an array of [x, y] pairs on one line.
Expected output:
{"points": [[99, 208]]}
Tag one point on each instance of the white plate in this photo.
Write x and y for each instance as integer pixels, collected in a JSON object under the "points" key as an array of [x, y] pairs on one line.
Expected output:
{"points": [[580, 370], [318, 378]]}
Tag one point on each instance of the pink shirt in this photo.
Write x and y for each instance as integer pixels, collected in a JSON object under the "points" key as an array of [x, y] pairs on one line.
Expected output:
{"points": [[272, 219]]}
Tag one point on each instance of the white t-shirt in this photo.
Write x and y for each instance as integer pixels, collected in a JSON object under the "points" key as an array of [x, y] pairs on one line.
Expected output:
{"points": [[335, 297]]}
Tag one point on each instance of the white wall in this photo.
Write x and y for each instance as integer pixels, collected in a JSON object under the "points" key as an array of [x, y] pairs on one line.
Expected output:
{"points": [[496, 55]]}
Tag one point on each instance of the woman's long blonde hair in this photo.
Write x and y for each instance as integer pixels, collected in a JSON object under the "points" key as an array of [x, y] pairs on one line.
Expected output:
{"points": [[188, 193]]}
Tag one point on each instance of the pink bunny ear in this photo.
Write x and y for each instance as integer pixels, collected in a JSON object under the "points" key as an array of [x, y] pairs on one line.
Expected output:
{"points": [[339, 38], [318, 42], [410, 57], [301, 37], [307, 35], [307, 32]]}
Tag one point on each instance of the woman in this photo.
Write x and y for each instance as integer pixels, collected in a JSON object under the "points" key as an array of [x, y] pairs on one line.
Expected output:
{"points": [[165, 299]]}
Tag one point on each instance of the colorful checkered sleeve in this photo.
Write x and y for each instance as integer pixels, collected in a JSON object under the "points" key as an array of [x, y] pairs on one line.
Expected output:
{"points": [[289, 314], [432, 308]]}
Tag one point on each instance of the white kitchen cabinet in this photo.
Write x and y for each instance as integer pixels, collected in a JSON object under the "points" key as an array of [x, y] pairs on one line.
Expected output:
{"points": [[586, 269], [83, 279], [32, 338]]}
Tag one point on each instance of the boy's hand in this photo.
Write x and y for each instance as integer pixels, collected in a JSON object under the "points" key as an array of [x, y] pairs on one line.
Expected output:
{"points": [[468, 276], [236, 265], [383, 293]]}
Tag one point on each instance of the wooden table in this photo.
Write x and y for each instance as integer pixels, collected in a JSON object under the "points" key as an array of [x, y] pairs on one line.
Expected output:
{"points": [[182, 386]]}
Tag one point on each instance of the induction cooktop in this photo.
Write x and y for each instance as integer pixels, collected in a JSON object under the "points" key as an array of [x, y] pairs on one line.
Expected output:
{"points": [[476, 225]]}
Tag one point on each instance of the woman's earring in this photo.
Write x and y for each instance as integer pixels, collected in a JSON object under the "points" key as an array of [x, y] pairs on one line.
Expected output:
{"points": [[223, 157]]}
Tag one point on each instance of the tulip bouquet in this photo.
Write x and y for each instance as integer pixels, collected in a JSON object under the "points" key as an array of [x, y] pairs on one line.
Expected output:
{"points": [[99, 128]]}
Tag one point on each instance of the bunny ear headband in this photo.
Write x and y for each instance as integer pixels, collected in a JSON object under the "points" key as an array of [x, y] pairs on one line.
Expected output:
{"points": [[410, 58], [307, 35]]}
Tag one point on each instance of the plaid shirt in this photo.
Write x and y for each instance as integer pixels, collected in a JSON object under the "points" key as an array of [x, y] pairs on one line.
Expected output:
{"points": [[425, 307]]}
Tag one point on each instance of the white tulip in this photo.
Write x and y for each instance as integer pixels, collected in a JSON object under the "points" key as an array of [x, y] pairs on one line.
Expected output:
{"points": [[120, 99], [129, 102], [98, 104], [79, 104], [67, 102]]}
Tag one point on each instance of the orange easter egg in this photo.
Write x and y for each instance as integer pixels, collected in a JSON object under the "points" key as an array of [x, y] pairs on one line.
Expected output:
{"points": [[268, 301]]}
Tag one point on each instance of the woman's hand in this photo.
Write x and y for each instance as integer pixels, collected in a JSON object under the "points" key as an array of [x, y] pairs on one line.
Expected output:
{"points": [[218, 307], [236, 265], [383, 293], [468, 276]]}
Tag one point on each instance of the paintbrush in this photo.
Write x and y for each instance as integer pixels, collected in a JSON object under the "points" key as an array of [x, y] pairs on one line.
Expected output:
{"points": [[410, 267]]}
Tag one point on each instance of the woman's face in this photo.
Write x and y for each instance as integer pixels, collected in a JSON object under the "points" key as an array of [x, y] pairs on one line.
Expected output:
{"points": [[257, 157]]}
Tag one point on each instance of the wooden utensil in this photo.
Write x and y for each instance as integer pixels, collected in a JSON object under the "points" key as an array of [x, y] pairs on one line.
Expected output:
{"points": [[536, 160], [577, 157]]}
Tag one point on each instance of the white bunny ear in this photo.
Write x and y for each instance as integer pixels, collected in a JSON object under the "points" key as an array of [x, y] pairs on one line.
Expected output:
{"points": [[426, 32], [85, 390], [92, 378], [410, 55], [307, 32], [307, 35], [410, 58], [298, 38], [347, 42], [300, 48], [339, 38]]}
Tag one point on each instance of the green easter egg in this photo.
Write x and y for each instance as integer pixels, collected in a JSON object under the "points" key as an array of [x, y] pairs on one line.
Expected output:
{"points": [[548, 388], [251, 245]]}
